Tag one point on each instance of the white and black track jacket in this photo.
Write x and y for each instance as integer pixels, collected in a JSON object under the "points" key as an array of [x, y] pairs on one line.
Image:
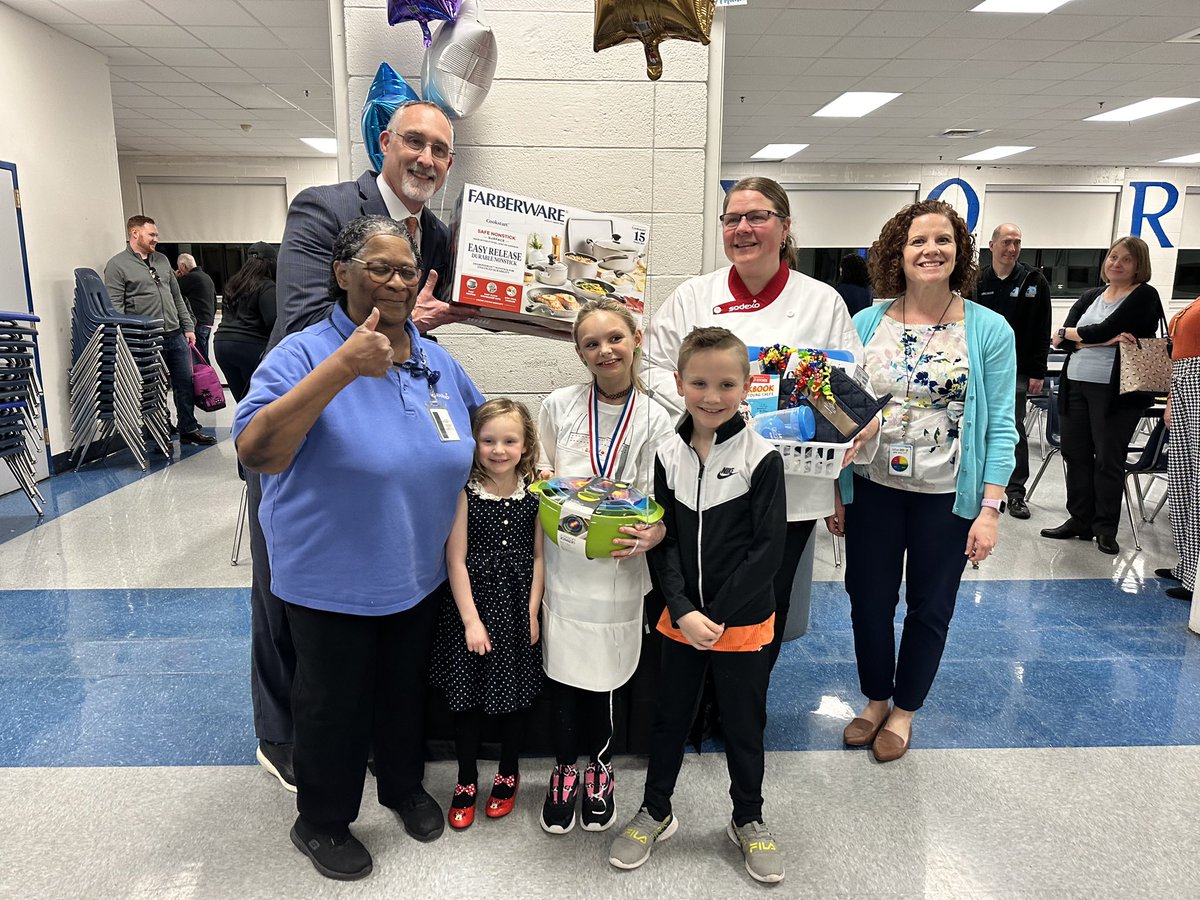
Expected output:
{"points": [[726, 525]]}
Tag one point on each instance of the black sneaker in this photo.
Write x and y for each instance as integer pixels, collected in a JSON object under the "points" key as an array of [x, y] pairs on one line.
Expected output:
{"points": [[558, 809], [277, 759], [197, 437], [341, 857], [1017, 508], [421, 815], [1168, 573], [598, 807]]}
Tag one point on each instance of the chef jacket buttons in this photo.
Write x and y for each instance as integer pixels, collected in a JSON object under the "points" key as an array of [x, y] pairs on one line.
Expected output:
{"points": [[791, 313]]}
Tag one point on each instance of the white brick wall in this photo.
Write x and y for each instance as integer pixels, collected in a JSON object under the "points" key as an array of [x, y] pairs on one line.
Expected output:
{"points": [[565, 124]]}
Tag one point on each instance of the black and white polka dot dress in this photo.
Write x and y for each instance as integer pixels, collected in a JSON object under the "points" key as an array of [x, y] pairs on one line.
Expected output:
{"points": [[500, 562]]}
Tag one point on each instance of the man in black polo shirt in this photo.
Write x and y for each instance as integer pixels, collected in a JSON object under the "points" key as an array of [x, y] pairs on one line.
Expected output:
{"points": [[200, 293], [1021, 294]]}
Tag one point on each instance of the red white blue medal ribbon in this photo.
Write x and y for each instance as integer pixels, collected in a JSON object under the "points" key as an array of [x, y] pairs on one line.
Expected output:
{"points": [[604, 466]]}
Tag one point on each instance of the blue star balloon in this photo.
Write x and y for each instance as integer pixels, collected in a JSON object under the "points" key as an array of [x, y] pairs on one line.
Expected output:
{"points": [[422, 12], [387, 92]]}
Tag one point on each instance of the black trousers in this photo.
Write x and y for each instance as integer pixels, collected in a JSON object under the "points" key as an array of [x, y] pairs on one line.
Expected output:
{"points": [[1095, 434], [272, 656], [798, 534], [892, 533], [582, 723], [238, 360], [740, 681], [1020, 472], [360, 682]]}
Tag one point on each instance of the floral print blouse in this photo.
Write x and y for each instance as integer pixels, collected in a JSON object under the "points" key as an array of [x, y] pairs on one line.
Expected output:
{"points": [[924, 368]]}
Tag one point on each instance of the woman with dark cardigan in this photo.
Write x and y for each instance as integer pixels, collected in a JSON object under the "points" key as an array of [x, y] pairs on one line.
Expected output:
{"points": [[1098, 421], [247, 317]]}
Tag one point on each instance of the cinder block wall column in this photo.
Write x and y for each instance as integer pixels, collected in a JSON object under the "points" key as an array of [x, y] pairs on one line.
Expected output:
{"points": [[565, 124]]}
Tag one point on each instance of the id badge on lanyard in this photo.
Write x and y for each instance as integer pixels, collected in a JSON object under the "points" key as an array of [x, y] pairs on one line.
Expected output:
{"points": [[443, 422]]}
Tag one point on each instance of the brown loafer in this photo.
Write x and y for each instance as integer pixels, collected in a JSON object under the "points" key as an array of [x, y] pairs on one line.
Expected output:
{"points": [[861, 732], [889, 746]]}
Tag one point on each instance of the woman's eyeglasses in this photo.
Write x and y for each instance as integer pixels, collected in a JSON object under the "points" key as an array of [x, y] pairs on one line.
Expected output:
{"points": [[755, 217], [382, 273]]}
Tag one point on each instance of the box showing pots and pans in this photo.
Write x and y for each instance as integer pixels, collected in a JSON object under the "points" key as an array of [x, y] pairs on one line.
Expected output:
{"points": [[529, 264]]}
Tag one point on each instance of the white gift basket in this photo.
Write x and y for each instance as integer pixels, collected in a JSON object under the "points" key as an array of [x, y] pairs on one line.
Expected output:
{"points": [[816, 459]]}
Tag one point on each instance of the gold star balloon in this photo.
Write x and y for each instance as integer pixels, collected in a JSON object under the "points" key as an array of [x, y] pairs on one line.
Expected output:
{"points": [[651, 22]]}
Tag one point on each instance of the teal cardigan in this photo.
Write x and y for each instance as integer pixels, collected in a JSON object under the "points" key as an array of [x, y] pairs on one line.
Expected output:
{"points": [[989, 431]]}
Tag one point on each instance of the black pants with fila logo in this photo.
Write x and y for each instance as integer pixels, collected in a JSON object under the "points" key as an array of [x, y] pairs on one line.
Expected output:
{"points": [[740, 681]]}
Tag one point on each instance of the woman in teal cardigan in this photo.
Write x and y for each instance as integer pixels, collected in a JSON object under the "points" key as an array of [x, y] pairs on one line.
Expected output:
{"points": [[932, 497]]}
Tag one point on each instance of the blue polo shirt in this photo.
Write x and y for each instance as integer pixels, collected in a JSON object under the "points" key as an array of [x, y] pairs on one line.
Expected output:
{"points": [[358, 522]]}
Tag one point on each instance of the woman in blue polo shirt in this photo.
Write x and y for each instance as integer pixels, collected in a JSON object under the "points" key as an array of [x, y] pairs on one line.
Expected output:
{"points": [[362, 431]]}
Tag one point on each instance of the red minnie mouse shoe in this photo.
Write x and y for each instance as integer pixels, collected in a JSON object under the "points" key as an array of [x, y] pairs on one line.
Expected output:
{"points": [[498, 806], [461, 817]]}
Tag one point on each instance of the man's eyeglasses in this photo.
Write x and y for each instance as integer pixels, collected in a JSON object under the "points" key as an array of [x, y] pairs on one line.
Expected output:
{"points": [[417, 144], [382, 273], [755, 217]]}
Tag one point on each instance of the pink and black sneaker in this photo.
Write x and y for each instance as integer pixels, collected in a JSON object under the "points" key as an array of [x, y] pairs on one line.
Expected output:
{"points": [[558, 811], [598, 805]]}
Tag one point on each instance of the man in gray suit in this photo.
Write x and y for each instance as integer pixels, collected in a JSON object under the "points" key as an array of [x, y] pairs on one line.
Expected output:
{"points": [[418, 149]]}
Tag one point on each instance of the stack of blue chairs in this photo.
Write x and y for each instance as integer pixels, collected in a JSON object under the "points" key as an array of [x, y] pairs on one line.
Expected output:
{"points": [[118, 382], [20, 402]]}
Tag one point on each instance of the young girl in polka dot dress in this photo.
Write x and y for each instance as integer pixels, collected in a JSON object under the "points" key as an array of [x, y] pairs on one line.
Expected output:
{"points": [[486, 653]]}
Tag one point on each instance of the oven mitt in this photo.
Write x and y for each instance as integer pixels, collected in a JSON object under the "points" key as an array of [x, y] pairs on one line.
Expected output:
{"points": [[851, 398]]}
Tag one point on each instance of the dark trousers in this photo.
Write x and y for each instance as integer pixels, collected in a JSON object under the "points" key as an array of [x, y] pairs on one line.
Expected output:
{"points": [[582, 723], [1095, 433], [272, 656], [203, 332], [1020, 472], [177, 355], [740, 680], [798, 534], [360, 682], [468, 741], [238, 360], [885, 525]]}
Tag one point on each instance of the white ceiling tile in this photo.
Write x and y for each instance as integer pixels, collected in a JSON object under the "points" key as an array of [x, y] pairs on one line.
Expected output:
{"points": [[963, 48], [251, 96], [839, 22], [1107, 52], [1151, 28], [44, 11], [265, 59], [298, 13], [188, 56], [834, 66], [303, 38], [204, 12], [129, 89], [91, 35], [152, 35], [897, 24], [1061, 27], [211, 75], [148, 73], [301, 76], [871, 47], [227, 37], [176, 90], [115, 12], [786, 45], [128, 56]]}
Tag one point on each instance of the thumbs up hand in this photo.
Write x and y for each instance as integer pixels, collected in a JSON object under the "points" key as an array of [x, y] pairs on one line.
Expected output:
{"points": [[366, 351]]}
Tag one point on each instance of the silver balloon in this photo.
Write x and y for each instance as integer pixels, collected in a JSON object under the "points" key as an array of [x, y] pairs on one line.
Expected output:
{"points": [[460, 63]]}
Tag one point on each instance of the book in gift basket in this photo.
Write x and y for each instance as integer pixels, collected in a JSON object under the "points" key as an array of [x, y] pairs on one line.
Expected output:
{"points": [[810, 404]]}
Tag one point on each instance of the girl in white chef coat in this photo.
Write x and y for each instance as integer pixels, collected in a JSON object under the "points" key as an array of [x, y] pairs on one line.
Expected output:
{"points": [[592, 608]]}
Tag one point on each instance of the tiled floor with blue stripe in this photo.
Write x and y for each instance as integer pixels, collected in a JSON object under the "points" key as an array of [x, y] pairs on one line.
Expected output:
{"points": [[1056, 756]]}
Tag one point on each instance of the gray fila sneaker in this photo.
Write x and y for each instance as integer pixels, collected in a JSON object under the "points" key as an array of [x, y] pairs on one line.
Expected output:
{"points": [[764, 862], [632, 846]]}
